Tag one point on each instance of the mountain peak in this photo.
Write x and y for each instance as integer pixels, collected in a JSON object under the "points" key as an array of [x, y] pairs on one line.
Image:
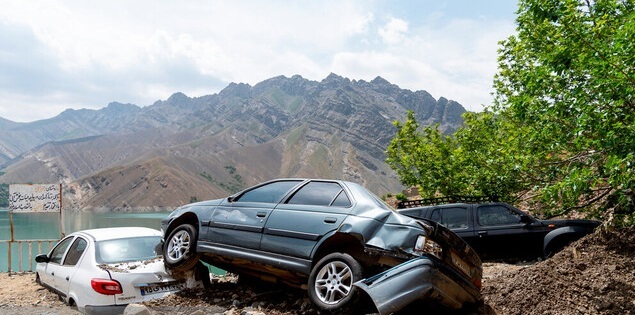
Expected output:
{"points": [[120, 107], [334, 78], [178, 98], [380, 81], [239, 89]]}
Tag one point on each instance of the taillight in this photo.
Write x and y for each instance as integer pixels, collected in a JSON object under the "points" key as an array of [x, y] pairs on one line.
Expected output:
{"points": [[106, 286], [425, 245], [477, 283]]}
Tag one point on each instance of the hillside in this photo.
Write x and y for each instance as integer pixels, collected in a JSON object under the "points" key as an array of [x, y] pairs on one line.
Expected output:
{"points": [[168, 153]]}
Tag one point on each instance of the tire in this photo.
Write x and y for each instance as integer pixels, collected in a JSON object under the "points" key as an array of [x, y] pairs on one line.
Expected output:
{"points": [[331, 281], [556, 245], [202, 274], [179, 250]]}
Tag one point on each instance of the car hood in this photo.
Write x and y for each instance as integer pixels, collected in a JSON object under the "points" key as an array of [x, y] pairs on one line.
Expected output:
{"points": [[190, 207], [213, 202]]}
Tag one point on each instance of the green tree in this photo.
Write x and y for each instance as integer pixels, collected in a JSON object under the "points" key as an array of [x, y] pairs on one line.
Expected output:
{"points": [[481, 158], [562, 126], [424, 158], [568, 79]]}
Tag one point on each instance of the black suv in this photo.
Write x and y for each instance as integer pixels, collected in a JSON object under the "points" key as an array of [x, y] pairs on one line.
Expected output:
{"points": [[499, 231], [331, 237]]}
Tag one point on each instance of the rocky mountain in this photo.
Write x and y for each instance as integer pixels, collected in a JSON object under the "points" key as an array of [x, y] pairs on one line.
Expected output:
{"points": [[171, 152]]}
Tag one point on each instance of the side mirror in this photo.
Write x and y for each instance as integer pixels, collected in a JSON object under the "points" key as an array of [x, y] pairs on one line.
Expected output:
{"points": [[43, 258], [230, 199], [525, 219]]}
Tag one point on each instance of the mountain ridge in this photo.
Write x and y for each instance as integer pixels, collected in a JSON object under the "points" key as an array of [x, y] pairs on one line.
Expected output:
{"points": [[280, 127]]}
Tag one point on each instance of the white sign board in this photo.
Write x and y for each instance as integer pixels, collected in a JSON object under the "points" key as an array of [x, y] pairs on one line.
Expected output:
{"points": [[34, 198]]}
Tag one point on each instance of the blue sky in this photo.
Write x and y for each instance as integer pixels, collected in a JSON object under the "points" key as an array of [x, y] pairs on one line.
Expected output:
{"points": [[56, 55]]}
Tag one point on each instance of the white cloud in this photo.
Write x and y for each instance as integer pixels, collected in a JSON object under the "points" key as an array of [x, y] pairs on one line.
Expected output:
{"points": [[71, 53], [394, 31]]}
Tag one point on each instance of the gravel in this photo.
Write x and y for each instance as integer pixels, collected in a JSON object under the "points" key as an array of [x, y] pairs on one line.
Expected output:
{"points": [[594, 275]]}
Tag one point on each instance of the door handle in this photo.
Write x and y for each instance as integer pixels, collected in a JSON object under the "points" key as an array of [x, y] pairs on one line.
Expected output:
{"points": [[330, 220], [482, 233], [261, 214]]}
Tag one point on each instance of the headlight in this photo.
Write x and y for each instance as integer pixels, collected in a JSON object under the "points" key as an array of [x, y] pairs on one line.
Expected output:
{"points": [[425, 245]]}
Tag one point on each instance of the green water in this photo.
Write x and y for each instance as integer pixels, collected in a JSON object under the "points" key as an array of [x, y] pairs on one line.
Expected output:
{"points": [[46, 226]]}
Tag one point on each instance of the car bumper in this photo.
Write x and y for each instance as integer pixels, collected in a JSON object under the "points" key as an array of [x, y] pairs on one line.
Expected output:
{"points": [[164, 225], [413, 280], [104, 309]]}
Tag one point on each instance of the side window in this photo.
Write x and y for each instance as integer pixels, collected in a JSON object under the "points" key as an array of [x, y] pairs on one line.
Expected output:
{"points": [[270, 193], [436, 216], [342, 200], [75, 252], [496, 215], [455, 218], [452, 218], [320, 194], [59, 250]]}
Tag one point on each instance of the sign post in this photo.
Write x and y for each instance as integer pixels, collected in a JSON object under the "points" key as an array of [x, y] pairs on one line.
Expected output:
{"points": [[27, 198]]}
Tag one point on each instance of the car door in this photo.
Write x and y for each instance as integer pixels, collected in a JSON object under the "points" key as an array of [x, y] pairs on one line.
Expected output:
{"points": [[70, 263], [502, 234], [297, 224], [239, 221], [52, 271], [457, 219]]}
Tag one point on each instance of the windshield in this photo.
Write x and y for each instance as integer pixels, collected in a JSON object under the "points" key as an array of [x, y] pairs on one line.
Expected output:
{"points": [[128, 249]]}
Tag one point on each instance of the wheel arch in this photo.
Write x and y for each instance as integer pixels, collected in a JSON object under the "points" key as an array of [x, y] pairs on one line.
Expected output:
{"points": [[340, 242], [185, 218], [560, 237]]}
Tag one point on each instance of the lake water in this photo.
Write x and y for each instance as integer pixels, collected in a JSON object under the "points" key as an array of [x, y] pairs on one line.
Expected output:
{"points": [[46, 226]]}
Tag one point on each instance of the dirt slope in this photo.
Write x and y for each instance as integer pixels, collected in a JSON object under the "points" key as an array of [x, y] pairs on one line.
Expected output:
{"points": [[595, 275]]}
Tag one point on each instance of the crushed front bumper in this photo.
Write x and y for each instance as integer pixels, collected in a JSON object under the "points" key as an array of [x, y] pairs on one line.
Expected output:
{"points": [[413, 280]]}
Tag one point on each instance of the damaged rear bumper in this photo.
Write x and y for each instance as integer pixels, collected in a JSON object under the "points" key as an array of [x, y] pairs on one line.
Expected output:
{"points": [[413, 280]]}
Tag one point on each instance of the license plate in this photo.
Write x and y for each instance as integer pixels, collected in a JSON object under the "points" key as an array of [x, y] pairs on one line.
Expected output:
{"points": [[154, 288], [461, 264]]}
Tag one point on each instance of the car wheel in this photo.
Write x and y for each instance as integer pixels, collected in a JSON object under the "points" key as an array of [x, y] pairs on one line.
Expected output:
{"points": [[202, 274], [331, 281], [179, 250], [556, 245], [37, 278]]}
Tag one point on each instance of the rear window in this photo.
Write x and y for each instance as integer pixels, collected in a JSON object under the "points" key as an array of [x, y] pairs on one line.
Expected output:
{"points": [[128, 249], [321, 194]]}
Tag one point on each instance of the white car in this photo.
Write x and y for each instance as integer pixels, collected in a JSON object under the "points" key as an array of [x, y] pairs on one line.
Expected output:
{"points": [[100, 271]]}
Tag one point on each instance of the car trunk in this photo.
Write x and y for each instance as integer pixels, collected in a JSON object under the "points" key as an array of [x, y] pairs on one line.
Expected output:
{"points": [[142, 280], [448, 271], [457, 254]]}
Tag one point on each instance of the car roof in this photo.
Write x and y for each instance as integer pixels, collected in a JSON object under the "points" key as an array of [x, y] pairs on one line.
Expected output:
{"points": [[119, 232]]}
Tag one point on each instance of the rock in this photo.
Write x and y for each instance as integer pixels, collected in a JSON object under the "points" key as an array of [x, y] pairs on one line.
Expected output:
{"points": [[250, 311], [136, 309]]}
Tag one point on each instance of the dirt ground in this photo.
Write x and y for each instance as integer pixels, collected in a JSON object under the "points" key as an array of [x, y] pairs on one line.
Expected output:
{"points": [[595, 275]]}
